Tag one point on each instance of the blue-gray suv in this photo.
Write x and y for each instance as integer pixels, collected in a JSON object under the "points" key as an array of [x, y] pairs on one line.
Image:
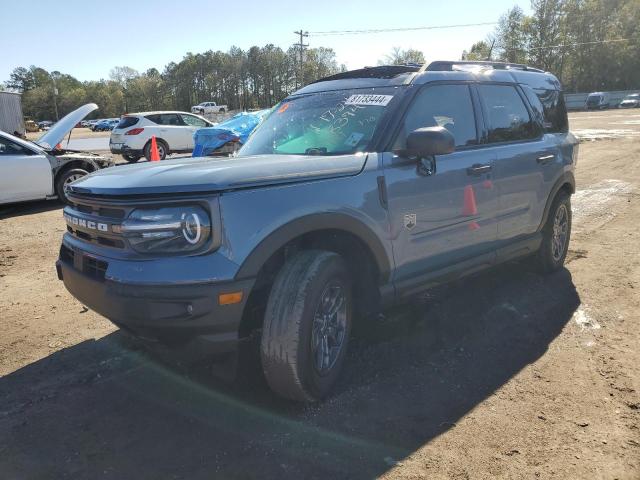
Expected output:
{"points": [[354, 194]]}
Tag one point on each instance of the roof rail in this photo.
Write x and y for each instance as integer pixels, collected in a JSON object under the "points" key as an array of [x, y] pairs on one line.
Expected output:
{"points": [[448, 65]]}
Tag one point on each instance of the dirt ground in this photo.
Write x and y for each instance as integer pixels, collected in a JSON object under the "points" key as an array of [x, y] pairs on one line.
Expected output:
{"points": [[507, 374]]}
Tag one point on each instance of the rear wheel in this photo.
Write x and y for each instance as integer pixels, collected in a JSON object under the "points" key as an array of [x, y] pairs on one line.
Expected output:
{"points": [[556, 234], [65, 179], [131, 158], [163, 150], [307, 325]]}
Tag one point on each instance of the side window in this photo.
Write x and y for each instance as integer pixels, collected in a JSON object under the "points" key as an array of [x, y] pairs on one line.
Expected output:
{"points": [[507, 116], [555, 111], [193, 121], [7, 147], [171, 119], [536, 106], [447, 106]]}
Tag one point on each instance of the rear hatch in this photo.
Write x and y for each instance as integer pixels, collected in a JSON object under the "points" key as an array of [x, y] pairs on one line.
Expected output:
{"points": [[126, 123]]}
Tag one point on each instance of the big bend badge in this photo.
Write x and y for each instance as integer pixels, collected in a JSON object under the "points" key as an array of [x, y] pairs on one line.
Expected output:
{"points": [[409, 221]]}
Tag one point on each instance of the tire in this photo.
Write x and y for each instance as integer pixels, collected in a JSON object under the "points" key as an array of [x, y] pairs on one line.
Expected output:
{"points": [[131, 158], [309, 284], [222, 110], [163, 150], [551, 256], [66, 177]]}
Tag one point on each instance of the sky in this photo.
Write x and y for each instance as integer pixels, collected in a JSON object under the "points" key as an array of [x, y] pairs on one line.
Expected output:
{"points": [[88, 38]]}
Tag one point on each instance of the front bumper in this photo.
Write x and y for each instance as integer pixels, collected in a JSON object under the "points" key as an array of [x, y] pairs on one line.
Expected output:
{"points": [[176, 314]]}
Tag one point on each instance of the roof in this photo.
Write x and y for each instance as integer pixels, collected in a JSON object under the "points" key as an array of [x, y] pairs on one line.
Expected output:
{"points": [[156, 112], [396, 75]]}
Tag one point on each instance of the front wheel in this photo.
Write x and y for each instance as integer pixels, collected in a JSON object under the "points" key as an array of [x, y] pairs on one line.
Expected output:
{"points": [[65, 179], [556, 234], [307, 325]]}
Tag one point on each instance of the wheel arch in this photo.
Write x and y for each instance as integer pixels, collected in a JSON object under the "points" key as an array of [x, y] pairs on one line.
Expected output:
{"points": [[566, 182], [158, 139], [320, 222], [359, 246], [85, 164]]}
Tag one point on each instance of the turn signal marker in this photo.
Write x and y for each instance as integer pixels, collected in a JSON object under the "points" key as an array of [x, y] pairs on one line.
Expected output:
{"points": [[229, 298]]}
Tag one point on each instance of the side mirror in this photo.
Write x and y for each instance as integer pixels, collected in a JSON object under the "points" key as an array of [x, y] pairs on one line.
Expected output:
{"points": [[430, 141]]}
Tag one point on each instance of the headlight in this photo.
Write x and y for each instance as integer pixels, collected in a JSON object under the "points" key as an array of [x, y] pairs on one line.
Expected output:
{"points": [[167, 230]]}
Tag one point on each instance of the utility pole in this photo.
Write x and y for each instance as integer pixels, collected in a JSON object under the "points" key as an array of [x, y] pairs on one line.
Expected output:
{"points": [[301, 46], [55, 97]]}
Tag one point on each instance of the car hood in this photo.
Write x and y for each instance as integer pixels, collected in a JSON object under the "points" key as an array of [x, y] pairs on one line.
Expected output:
{"points": [[62, 127], [194, 175]]}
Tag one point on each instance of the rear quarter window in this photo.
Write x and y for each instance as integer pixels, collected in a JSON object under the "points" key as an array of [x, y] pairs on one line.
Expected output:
{"points": [[126, 122]]}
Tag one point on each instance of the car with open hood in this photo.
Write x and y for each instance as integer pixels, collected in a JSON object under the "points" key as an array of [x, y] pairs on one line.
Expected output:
{"points": [[43, 169], [355, 193]]}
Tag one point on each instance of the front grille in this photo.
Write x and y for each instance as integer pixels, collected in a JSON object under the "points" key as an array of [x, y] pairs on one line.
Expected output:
{"points": [[86, 264], [94, 267], [66, 254], [98, 214]]}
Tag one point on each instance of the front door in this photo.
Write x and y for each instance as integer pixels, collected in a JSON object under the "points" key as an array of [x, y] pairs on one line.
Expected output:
{"points": [[446, 216], [24, 173]]}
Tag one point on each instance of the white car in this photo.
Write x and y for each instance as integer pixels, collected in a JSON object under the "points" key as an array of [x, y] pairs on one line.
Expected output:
{"points": [[174, 131], [43, 169], [630, 101], [208, 107]]}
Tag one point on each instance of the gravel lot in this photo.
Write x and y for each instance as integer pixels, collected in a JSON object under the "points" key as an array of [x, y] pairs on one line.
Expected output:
{"points": [[506, 374]]}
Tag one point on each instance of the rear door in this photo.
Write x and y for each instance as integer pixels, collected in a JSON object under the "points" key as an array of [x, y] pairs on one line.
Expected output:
{"points": [[444, 218], [25, 174], [525, 159], [171, 129], [192, 125]]}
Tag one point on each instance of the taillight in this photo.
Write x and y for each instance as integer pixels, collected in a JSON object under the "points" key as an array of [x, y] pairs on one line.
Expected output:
{"points": [[135, 131]]}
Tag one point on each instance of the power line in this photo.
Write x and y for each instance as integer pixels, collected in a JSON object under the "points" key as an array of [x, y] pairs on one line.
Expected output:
{"points": [[399, 29], [595, 42], [549, 47]]}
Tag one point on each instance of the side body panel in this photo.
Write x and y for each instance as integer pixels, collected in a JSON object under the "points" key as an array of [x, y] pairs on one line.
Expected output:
{"points": [[454, 212], [251, 217], [25, 177]]}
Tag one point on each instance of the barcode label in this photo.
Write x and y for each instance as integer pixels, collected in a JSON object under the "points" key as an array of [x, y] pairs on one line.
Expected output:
{"points": [[379, 100]]}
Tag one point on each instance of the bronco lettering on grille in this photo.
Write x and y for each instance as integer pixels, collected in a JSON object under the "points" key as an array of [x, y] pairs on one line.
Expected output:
{"points": [[88, 224]]}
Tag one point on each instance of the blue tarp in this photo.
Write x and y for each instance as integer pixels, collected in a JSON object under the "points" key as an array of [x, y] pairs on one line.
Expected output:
{"points": [[237, 128]]}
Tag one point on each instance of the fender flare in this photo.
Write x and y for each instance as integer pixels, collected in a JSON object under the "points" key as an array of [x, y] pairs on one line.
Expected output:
{"points": [[307, 224], [565, 178]]}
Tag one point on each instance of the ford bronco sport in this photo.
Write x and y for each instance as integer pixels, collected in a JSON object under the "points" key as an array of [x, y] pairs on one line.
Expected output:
{"points": [[355, 193]]}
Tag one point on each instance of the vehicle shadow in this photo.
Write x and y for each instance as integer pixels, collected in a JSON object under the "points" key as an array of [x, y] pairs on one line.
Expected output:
{"points": [[28, 208], [103, 408]]}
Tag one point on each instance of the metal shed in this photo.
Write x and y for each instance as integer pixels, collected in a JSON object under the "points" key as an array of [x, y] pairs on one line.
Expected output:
{"points": [[11, 119]]}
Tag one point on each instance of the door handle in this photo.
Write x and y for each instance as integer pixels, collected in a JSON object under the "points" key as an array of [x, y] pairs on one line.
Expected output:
{"points": [[545, 159], [477, 170]]}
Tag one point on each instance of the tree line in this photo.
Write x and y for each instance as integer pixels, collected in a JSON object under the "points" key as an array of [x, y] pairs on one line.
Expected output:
{"points": [[242, 79], [588, 44]]}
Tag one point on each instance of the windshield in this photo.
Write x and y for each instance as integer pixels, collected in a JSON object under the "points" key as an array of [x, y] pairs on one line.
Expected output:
{"points": [[328, 123]]}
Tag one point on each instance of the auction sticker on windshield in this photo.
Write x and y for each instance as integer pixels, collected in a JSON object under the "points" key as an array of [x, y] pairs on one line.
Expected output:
{"points": [[380, 100]]}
